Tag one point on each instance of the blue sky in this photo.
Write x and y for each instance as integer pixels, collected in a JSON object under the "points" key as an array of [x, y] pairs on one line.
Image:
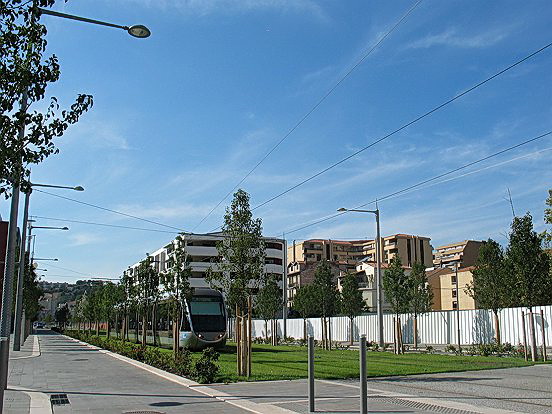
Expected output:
{"points": [[179, 118]]}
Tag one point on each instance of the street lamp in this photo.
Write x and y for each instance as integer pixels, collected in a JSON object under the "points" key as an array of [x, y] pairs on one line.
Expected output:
{"points": [[7, 290], [137, 30], [379, 295], [20, 276]]}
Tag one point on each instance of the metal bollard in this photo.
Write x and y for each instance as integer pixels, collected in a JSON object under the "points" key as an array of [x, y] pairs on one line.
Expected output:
{"points": [[363, 377], [311, 374]]}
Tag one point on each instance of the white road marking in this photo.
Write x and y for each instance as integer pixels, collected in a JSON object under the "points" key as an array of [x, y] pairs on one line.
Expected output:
{"points": [[36, 350]]}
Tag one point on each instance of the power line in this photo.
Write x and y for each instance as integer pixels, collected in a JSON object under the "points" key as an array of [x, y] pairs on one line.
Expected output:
{"points": [[110, 210], [103, 224], [316, 105], [415, 120], [419, 184]]}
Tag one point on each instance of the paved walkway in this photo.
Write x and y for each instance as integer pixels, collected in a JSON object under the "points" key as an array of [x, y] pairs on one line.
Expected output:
{"points": [[97, 381]]}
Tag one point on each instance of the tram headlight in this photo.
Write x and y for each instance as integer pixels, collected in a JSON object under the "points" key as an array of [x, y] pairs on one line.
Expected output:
{"points": [[220, 336], [200, 336]]}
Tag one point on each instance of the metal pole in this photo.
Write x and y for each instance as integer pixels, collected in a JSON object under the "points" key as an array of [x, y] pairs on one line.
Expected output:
{"points": [[457, 307], [311, 373], [524, 334], [378, 282], [9, 263], [21, 278], [543, 333], [284, 288], [363, 377]]}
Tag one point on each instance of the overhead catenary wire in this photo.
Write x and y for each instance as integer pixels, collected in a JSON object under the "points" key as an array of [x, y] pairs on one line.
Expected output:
{"points": [[313, 108], [110, 210], [104, 224], [419, 185], [415, 120]]}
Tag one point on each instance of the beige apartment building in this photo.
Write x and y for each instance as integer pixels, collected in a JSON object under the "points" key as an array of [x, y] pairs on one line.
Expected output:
{"points": [[461, 254], [409, 248], [302, 273], [449, 288], [316, 250]]}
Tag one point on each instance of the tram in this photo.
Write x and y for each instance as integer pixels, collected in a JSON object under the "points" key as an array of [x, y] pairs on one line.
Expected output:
{"points": [[204, 322]]}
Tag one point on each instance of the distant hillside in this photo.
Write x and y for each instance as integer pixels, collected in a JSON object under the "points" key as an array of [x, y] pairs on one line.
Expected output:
{"points": [[68, 291]]}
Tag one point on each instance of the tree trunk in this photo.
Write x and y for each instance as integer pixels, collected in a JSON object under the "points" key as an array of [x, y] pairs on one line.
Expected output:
{"points": [[97, 328], [144, 328], [330, 333], [136, 328], [532, 334], [249, 334], [351, 331], [266, 331], [415, 329], [117, 325], [176, 334], [154, 323], [497, 327], [238, 342], [108, 329]]}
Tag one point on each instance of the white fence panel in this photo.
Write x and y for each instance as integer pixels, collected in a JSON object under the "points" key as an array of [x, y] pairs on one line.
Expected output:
{"points": [[434, 328]]}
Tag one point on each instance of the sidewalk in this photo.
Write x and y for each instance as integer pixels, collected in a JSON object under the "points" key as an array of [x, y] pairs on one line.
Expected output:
{"points": [[94, 380]]}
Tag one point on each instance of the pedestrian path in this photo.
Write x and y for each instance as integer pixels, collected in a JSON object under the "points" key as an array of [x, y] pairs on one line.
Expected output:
{"points": [[85, 379]]}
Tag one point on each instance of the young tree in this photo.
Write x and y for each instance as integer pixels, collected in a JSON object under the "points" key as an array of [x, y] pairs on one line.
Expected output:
{"points": [[491, 286], [147, 286], [306, 304], [328, 298], [25, 74], [62, 316], [547, 234], [421, 295], [530, 269], [130, 301], [352, 303], [176, 283], [268, 304], [31, 293], [397, 291], [241, 270]]}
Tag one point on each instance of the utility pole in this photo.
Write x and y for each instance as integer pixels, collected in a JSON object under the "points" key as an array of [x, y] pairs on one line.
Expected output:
{"points": [[284, 287], [457, 306]]}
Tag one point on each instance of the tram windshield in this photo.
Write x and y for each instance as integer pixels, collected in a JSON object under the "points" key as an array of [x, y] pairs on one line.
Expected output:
{"points": [[207, 314]]}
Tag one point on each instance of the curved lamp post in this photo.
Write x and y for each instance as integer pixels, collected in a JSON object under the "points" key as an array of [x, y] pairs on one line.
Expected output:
{"points": [[138, 30], [379, 296]]}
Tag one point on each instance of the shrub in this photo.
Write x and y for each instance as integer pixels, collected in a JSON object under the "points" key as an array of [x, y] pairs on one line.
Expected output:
{"points": [[430, 349], [450, 348], [206, 367]]}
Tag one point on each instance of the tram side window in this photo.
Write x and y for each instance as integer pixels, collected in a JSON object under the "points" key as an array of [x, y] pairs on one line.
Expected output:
{"points": [[185, 325]]}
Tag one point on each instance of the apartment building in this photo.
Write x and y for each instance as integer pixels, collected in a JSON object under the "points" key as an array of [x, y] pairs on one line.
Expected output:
{"points": [[461, 254], [409, 248], [316, 250], [302, 274], [202, 254], [449, 288], [366, 277]]}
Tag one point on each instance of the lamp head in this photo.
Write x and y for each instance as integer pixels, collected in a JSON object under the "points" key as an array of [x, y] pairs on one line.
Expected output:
{"points": [[78, 188], [342, 209], [65, 228], [139, 31]]}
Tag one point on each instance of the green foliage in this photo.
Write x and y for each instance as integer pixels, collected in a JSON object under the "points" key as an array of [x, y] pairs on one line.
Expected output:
{"points": [[176, 280], [352, 303], [327, 295], [397, 286], [421, 295], [269, 300], [491, 285], [547, 234], [62, 315], [31, 292], [305, 301], [242, 254], [206, 368], [24, 69], [529, 265]]}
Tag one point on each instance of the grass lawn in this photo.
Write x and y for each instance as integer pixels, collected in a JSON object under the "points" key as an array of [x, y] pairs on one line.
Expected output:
{"points": [[290, 362]]}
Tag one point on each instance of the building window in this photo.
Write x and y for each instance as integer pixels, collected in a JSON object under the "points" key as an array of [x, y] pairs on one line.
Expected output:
{"points": [[454, 293], [454, 305], [453, 280]]}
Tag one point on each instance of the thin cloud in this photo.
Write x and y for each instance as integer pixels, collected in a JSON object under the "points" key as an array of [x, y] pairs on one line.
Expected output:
{"points": [[452, 38]]}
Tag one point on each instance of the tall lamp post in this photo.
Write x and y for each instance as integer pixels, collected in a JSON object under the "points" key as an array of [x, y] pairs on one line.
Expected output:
{"points": [[21, 273], [379, 295], [7, 292]]}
